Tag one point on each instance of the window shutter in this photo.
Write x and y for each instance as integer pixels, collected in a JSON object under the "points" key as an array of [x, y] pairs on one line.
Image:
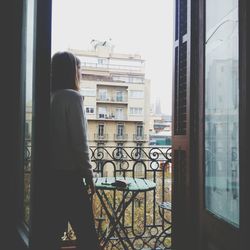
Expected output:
{"points": [[181, 128], [180, 74]]}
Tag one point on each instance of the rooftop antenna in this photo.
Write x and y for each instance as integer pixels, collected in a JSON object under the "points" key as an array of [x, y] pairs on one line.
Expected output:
{"points": [[106, 43]]}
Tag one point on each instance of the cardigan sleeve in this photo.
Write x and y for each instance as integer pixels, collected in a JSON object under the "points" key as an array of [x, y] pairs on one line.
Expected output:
{"points": [[77, 125]]}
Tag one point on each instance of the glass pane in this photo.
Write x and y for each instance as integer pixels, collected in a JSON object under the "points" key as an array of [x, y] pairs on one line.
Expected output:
{"points": [[28, 76], [222, 110]]}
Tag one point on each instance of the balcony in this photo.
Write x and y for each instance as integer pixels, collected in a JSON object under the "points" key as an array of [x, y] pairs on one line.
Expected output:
{"points": [[118, 137], [103, 137], [113, 100], [148, 219], [111, 117], [112, 67], [140, 138]]}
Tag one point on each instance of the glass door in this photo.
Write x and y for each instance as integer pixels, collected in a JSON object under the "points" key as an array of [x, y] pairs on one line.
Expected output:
{"points": [[119, 113], [220, 220], [222, 111]]}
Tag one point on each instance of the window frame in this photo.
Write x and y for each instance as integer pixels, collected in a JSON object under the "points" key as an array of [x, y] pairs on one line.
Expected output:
{"points": [[28, 236], [101, 128]]}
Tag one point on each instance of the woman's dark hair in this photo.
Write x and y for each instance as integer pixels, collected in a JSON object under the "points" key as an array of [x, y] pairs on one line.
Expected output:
{"points": [[64, 71]]}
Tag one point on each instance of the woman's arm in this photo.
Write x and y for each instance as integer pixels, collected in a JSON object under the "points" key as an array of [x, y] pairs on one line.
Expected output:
{"points": [[78, 135]]}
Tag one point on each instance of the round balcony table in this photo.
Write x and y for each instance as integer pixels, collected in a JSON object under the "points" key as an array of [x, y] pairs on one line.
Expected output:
{"points": [[134, 187]]}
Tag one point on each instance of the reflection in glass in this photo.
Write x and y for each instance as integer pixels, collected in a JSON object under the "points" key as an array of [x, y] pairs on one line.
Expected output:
{"points": [[28, 105], [222, 110]]}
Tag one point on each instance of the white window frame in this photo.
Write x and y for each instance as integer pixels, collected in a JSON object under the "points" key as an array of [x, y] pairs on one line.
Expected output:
{"points": [[119, 96], [136, 94], [139, 130], [138, 111], [103, 94], [120, 129], [119, 113], [102, 111], [89, 107], [100, 129]]}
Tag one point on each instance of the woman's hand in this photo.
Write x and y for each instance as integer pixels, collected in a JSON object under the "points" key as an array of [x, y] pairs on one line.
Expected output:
{"points": [[90, 186]]}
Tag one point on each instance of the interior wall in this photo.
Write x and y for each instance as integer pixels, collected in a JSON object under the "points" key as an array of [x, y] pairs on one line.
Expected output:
{"points": [[10, 87]]}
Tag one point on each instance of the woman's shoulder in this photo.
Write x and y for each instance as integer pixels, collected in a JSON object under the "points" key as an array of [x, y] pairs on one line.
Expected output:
{"points": [[69, 94]]}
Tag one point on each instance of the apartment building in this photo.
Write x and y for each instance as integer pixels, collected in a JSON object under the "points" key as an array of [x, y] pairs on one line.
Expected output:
{"points": [[116, 97]]}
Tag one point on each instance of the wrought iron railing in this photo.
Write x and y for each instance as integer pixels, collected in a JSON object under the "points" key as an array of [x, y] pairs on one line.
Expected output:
{"points": [[27, 179], [148, 219], [147, 223], [27, 156]]}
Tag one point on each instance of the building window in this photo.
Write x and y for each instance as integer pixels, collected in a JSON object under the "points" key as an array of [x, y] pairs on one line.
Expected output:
{"points": [[119, 113], [139, 130], [102, 112], [103, 94], [137, 94], [90, 110], [136, 111], [120, 129], [119, 96], [101, 130]]}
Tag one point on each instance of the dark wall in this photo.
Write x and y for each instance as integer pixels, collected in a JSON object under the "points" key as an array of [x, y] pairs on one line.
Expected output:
{"points": [[10, 75]]}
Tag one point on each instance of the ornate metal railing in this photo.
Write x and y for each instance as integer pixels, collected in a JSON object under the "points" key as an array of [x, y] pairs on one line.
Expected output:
{"points": [[147, 223], [148, 219], [27, 179], [27, 156]]}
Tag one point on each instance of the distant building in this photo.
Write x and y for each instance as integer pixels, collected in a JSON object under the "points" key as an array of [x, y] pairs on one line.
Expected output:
{"points": [[116, 96], [160, 127], [158, 108], [163, 138], [159, 123]]}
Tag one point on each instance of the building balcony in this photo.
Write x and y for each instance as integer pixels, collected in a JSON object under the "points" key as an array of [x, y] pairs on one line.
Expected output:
{"points": [[112, 67], [140, 138], [112, 100], [103, 137], [147, 220], [111, 117], [118, 137]]}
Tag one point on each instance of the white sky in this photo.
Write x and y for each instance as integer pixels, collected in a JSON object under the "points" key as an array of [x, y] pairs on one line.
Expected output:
{"points": [[144, 27]]}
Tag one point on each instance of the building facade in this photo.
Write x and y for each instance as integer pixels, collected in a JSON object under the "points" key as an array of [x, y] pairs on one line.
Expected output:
{"points": [[116, 97]]}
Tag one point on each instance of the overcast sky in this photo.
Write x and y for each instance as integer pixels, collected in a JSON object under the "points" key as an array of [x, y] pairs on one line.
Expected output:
{"points": [[144, 27]]}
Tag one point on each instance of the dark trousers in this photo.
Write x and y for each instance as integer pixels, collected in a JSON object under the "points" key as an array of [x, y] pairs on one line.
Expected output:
{"points": [[70, 202]]}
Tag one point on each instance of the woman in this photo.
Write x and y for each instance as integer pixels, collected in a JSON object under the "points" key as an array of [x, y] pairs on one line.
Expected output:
{"points": [[70, 163]]}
